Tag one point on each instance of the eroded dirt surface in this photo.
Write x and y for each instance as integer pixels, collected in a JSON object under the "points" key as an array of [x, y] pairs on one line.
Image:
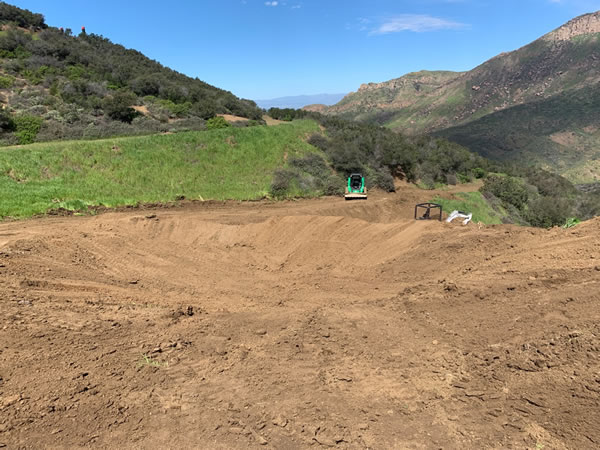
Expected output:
{"points": [[317, 323]]}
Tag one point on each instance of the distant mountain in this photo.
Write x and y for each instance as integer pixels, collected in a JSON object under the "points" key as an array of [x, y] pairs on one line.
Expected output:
{"points": [[54, 85], [300, 101], [540, 103]]}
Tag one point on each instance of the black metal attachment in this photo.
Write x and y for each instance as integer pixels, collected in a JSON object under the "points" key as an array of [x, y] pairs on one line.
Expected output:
{"points": [[426, 208]]}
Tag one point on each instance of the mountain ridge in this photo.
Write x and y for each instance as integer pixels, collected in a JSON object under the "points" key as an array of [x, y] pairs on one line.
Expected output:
{"points": [[299, 101], [564, 60]]}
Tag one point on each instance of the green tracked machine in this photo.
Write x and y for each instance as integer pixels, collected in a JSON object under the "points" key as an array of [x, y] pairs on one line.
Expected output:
{"points": [[356, 188]]}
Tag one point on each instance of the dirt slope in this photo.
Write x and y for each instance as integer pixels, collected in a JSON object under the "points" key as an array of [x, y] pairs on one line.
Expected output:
{"points": [[297, 324]]}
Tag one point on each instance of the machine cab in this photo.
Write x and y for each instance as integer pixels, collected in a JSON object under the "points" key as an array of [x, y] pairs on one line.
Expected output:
{"points": [[356, 183]]}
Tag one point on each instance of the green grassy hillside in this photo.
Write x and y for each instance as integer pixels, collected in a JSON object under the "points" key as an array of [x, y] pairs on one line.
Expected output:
{"points": [[229, 163]]}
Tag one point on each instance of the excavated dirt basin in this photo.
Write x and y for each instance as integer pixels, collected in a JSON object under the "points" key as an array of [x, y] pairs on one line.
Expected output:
{"points": [[318, 323]]}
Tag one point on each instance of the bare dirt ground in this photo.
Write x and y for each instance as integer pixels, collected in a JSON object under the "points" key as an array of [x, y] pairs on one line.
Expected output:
{"points": [[317, 323]]}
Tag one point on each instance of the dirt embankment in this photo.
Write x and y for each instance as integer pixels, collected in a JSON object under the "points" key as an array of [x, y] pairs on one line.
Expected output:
{"points": [[296, 324]]}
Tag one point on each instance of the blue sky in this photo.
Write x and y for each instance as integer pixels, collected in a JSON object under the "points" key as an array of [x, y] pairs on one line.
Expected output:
{"points": [[265, 49]]}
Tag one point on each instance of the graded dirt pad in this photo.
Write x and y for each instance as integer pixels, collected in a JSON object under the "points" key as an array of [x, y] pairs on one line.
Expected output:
{"points": [[317, 323]]}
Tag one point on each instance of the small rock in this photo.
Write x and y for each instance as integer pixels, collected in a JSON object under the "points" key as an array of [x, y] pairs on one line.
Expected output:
{"points": [[151, 216], [9, 401], [363, 426], [435, 342], [280, 421], [450, 287], [261, 332]]}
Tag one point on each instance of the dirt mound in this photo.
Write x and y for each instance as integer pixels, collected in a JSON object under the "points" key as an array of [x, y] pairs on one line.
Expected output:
{"points": [[296, 324]]}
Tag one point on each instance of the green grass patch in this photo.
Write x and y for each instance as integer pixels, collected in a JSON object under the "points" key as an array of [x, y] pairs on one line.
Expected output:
{"points": [[222, 164], [471, 202], [147, 360]]}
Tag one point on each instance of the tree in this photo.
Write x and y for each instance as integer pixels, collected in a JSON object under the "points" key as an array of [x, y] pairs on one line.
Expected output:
{"points": [[118, 106]]}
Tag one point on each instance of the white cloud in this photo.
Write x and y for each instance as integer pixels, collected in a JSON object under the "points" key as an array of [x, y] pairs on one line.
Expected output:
{"points": [[417, 23], [271, 3]]}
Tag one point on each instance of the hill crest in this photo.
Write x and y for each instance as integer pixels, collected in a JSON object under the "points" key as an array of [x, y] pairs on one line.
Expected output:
{"points": [[581, 25], [54, 85]]}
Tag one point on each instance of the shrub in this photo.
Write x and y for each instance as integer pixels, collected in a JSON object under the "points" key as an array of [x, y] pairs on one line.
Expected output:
{"points": [[285, 114], [7, 122], [27, 128], [380, 178], [333, 185], [118, 107], [571, 222], [176, 109], [550, 184], [319, 141], [478, 172], [204, 109], [313, 164], [508, 189], [216, 123], [282, 181], [6, 82], [547, 212], [589, 205]]}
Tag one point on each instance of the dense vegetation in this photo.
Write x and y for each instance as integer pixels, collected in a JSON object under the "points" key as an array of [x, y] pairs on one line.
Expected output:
{"points": [[21, 17], [59, 86], [514, 194], [381, 155], [533, 196]]}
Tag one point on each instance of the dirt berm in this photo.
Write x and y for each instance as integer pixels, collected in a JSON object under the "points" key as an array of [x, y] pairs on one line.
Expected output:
{"points": [[317, 323]]}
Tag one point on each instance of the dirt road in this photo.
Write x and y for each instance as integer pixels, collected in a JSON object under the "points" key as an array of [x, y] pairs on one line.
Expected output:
{"points": [[317, 323]]}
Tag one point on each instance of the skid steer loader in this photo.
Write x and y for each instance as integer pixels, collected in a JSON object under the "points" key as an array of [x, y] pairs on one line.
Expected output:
{"points": [[356, 188]]}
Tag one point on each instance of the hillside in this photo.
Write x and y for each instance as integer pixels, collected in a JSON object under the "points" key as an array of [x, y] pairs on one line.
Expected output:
{"points": [[232, 163], [54, 85], [551, 79]]}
